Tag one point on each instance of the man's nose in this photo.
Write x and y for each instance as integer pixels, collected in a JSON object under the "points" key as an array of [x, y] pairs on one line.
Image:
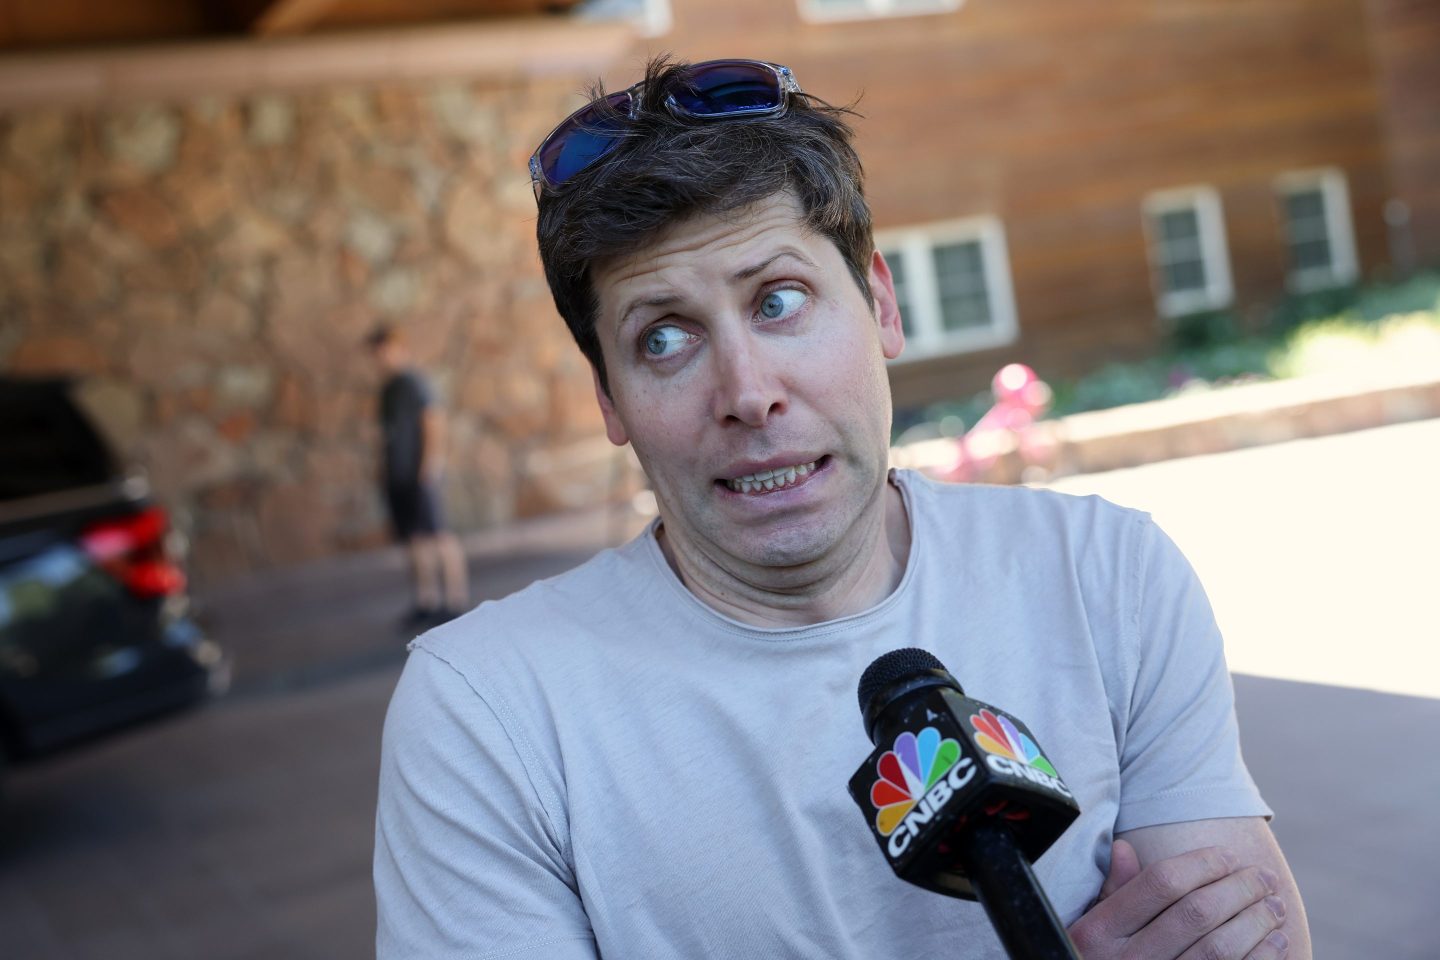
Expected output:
{"points": [[748, 388]]}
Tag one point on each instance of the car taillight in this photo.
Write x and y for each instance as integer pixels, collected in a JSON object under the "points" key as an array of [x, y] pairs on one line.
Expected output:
{"points": [[132, 550]]}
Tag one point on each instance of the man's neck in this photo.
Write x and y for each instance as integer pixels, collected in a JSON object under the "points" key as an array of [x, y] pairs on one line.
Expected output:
{"points": [[830, 588]]}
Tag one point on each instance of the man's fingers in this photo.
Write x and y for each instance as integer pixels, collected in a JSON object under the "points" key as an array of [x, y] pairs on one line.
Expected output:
{"points": [[1124, 867], [1227, 919], [1275, 946], [1127, 908], [1162, 885], [1251, 935]]}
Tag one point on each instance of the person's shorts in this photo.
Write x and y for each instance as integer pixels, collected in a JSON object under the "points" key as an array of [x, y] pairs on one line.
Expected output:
{"points": [[414, 510]]}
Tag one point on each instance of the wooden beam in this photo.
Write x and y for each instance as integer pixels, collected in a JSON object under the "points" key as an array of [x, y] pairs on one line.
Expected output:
{"points": [[504, 50], [290, 17]]}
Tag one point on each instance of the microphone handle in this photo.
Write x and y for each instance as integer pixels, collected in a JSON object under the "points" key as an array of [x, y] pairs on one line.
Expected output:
{"points": [[1006, 887]]}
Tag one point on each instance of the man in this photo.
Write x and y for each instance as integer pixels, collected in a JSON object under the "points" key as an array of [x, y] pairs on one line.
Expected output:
{"points": [[412, 463], [647, 757]]}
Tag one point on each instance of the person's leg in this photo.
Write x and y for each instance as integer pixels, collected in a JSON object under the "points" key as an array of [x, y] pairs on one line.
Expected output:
{"points": [[425, 573], [447, 555], [452, 568], [408, 516]]}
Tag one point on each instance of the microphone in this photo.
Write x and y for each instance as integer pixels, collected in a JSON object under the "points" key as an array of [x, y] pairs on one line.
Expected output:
{"points": [[961, 799]]}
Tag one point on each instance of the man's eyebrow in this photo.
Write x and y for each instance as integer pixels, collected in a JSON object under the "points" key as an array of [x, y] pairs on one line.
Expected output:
{"points": [[752, 271], [658, 300]]}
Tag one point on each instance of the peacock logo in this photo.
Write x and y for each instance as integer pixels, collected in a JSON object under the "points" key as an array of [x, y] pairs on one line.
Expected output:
{"points": [[1013, 753], [999, 736], [907, 772]]}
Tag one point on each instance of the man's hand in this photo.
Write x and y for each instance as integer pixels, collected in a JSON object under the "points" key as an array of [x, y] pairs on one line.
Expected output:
{"points": [[1200, 905]]}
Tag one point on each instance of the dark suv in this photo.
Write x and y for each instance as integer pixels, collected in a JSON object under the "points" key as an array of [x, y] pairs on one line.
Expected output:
{"points": [[95, 630]]}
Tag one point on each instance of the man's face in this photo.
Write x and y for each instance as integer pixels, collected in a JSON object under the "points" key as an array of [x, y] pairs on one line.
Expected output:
{"points": [[741, 348]]}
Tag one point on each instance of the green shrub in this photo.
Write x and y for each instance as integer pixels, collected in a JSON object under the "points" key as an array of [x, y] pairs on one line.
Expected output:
{"points": [[1201, 331], [1419, 293], [1296, 310]]}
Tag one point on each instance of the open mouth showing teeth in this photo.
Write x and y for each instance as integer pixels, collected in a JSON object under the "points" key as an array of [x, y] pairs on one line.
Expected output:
{"points": [[768, 480]]}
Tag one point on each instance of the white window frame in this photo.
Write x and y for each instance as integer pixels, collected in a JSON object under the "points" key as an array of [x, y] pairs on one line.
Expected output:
{"points": [[817, 12], [652, 19], [1219, 291], [928, 337], [1344, 265]]}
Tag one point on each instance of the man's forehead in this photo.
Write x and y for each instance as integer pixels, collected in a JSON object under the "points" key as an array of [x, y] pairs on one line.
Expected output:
{"points": [[707, 239]]}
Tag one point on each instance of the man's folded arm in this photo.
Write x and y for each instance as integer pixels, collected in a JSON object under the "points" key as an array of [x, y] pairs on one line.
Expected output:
{"points": [[468, 862], [1195, 864], [1250, 841]]}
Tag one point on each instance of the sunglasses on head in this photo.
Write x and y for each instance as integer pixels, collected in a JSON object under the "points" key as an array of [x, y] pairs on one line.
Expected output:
{"points": [[712, 90]]}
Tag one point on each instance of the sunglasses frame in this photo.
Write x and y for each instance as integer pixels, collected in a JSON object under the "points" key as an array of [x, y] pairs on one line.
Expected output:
{"points": [[785, 83]]}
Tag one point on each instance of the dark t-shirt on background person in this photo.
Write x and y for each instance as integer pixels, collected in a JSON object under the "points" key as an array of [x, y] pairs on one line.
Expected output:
{"points": [[403, 401], [413, 501]]}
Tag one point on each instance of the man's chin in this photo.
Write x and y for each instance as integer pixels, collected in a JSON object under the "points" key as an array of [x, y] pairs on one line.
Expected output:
{"points": [[794, 546]]}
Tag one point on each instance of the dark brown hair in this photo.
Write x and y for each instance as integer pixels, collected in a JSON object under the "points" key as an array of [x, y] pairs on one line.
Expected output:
{"points": [[381, 334], [669, 168]]}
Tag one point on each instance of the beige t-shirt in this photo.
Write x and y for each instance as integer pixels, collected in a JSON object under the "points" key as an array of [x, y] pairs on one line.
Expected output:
{"points": [[601, 764]]}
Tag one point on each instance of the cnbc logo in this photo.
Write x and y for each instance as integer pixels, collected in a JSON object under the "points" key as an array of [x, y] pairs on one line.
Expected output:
{"points": [[918, 777], [1011, 752]]}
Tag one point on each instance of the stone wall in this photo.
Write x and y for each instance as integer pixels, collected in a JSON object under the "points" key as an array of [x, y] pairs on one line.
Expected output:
{"points": [[211, 265]]}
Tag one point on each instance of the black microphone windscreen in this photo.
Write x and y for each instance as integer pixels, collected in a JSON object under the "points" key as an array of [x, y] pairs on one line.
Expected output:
{"points": [[887, 668]]}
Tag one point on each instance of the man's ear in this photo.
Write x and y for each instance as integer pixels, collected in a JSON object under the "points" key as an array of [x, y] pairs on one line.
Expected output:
{"points": [[887, 307], [614, 429]]}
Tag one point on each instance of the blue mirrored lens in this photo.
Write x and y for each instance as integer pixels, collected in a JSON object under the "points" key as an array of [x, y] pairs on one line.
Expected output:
{"points": [[586, 137], [727, 87]]}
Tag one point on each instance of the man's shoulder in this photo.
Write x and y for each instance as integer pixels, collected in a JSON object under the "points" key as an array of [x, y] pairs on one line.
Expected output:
{"points": [[549, 617], [1015, 506]]}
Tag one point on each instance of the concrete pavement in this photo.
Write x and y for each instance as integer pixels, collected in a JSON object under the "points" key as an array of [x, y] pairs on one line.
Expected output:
{"points": [[1352, 779], [240, 832], [1320, 556], [296, 627]]}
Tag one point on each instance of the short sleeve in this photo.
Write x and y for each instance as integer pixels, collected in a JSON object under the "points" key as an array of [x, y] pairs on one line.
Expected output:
{"points": [[424, 392], [467, 861], [414, 392], [1180, 759]]}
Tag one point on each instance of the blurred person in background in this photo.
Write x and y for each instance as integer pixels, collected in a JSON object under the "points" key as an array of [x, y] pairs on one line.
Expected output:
{"points": [[646, 757], [412, 465]]}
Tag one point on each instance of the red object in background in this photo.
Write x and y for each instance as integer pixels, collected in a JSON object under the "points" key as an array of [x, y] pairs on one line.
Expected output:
{"points": [[1021, 397], [133, 551]]}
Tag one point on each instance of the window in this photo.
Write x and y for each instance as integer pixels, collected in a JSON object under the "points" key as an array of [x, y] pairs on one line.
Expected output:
{"points": [[1186, 235], [652, 17], [953, 284], [865, 9], [1315, 210]]}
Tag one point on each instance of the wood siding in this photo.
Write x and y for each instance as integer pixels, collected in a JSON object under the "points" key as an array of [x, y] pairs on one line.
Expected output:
{"points": [[1407, 43], [1059, 118]]}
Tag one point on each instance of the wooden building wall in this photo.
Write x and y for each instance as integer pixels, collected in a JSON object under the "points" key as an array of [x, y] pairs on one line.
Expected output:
{"points": [[1406, 36], [1059, 117]]}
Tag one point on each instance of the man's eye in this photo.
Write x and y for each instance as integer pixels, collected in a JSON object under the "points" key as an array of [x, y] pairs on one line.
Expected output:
{"points": [[778, 303], [664, 341]]}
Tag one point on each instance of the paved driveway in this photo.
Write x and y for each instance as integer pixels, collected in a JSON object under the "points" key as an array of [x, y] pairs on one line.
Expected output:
{"points": [[1321, 557]]}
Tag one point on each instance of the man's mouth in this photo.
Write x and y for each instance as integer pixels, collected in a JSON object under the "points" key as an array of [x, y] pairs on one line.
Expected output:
{"points": [[776, 479]]}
